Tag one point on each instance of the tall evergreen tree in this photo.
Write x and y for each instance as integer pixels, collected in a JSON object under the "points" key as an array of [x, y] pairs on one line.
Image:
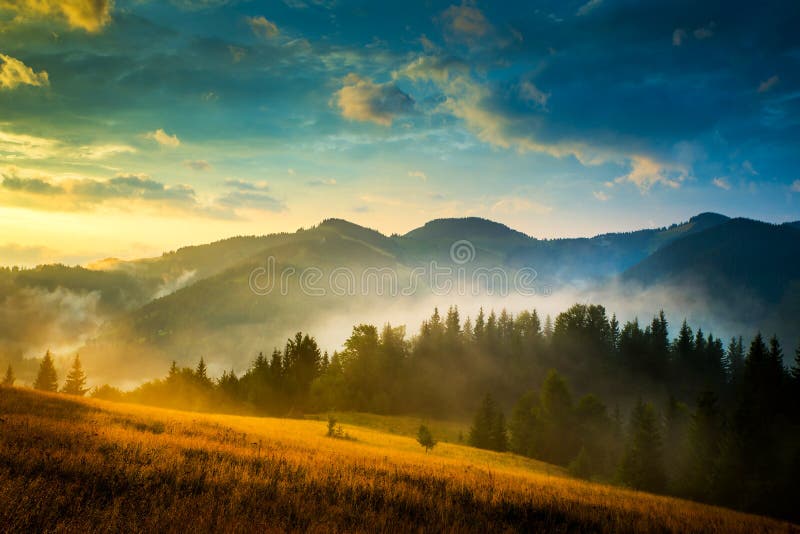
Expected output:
{"points": [[488, 426], [795, 368], [498, 435], [735, 360], [524, 424], [642, 463], [46, 379], [557, 442], [75, 383], [659, 346], [9, 378], [705, 442]]}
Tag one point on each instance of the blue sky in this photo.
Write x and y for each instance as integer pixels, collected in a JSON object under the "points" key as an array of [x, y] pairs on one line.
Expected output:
{"points": [[132, 127]]}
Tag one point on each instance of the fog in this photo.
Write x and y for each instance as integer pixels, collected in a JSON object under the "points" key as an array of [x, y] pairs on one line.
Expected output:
{"points": [[65, 322]]}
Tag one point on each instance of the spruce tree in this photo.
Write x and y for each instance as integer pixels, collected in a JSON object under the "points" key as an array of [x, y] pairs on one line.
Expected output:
{"points": [[705, 442], [201, 372], [735, 360], [484, 431], [642, 463], [75, 383], [9, 378], [498, 436], [46, 379], [795, 367]]}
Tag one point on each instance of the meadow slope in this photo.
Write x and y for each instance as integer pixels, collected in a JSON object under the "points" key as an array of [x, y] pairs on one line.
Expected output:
{"points": [[74, 465]]}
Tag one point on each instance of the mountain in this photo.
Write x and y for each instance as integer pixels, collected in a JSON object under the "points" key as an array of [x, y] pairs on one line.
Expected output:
{"points": [[212, 300], [605, 255], [745, 268]]}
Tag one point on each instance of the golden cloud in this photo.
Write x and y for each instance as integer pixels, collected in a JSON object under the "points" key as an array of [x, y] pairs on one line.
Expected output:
{"points": [[163, 138], [263, 27], [87, 15], [14, 73], [361, 99]]}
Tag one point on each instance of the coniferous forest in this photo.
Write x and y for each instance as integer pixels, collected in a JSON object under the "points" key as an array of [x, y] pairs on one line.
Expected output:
{"points": [[688, 415]]}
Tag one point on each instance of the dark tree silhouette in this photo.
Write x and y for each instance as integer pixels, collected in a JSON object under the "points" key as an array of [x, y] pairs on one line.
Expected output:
{"points": [[75, 383], [642, 464], [9, 378], [46, 379]]}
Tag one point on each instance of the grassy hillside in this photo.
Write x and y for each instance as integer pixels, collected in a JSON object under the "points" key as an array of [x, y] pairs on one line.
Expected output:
{"points": [[78, 465]]}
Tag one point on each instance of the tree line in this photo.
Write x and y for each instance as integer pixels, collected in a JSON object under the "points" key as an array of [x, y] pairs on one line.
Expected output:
{"points": [[691, 415]]}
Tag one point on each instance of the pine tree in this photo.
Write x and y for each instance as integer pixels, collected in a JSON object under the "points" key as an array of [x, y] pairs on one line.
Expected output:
{"points": [[548, 327], [795, 367], [523, 425], [46, 379], [498, 435], [9, 378], [488, 427], [735, 360], [659, 346], [173, 370], [76, 379], [705, 441], [201, 372], [557, 442], [642, 463], [614, 334]]}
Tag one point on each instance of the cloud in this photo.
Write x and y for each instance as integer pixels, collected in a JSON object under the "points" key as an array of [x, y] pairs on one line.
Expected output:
{"points": [[589, 6], [646, 172], [87, 15], [434, 68], [768, 84], [262, 27], [530, 93], [602, 196], [748, 167], [163, 138], [317, 182], [237, 53], [72, 193], [361, 99], [705, 32], [36, 186], [197, 164], [14, 146], [418, 174], [104, 151], [249, 195], [138, 186], [465, 23], [678, 36], [722, 182], [795, 187], [513, 205], [243, 185], [469, 101], [14, 73]]}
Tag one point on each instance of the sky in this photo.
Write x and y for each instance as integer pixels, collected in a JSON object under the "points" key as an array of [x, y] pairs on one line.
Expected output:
{"points": [[131, 127]]}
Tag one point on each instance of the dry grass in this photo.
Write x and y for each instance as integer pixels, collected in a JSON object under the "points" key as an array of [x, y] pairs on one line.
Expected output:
{"points": [[86, 465]]}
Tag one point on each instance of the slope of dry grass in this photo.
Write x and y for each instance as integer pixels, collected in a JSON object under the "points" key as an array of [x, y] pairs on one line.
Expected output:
{"points": [[84, 465]]}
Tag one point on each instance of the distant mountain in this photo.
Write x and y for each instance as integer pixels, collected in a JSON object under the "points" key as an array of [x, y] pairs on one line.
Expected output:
{"points": [[602, 256], [747, 269], [199, 300], [795, 224]]}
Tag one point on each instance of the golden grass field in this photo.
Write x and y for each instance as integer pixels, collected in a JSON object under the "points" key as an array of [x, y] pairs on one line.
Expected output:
{"points": [[80, 465]]}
